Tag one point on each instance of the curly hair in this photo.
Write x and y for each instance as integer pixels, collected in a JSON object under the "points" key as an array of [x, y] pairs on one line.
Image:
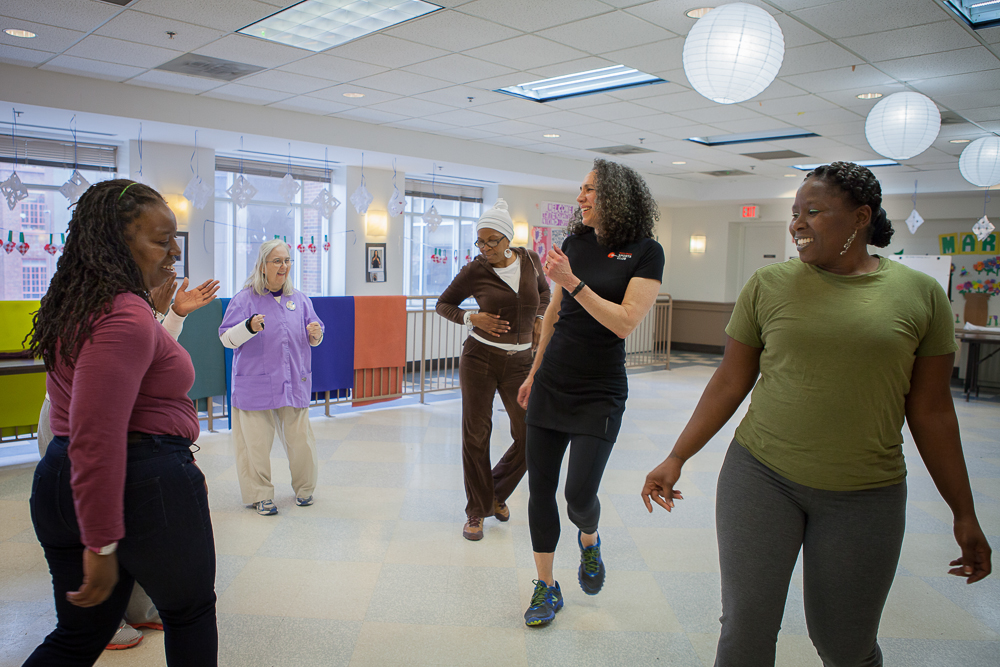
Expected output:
{"points": [[624, 207], [861, 186], [95, 267]]}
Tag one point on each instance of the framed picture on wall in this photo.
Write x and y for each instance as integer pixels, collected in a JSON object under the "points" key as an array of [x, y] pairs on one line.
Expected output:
{"points": [[375, 262], [181, 265]]}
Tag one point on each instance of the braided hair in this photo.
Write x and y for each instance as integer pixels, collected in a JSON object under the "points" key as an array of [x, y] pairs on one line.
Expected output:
{"points": [[95, 267], [861, 186], [626, 210]]}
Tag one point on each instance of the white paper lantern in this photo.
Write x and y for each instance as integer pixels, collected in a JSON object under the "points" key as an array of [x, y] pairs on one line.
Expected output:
{"points": [[733, 53], [980, 162], [902, 125]]}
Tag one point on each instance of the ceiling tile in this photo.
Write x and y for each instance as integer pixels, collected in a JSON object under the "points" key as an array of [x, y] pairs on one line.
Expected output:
{"points": [[962, 61], [666, 54], [379, 49], [615, 111], [458, 96], [507, 140], [85, 15], [457, 68], [252, 51], [332, 68], [513, 108], [610, 32], [366, 115], [667, 15], [849, 18], [718, 113], [311, 105], [968, 100], [336, 94], [914, 41], [180, 83], [561, 119], [285, 82], [814, 120], [452, 31], [604, 129], [463, 118], [513, 127], [227, 15], [795, 104], [650, 90], [236, 92], [403, 83], [92, 68], [959, 83], [815, 58], [23, 57], [475, 133], [48, 38], [759, 124], [990, 35], [862, 78], [568, 67], [524, 14], [133, 26], [121, 52], [422, 125], [657, 122], [796, 34], [411, 107], [526, 52], [676, 102], [984, 114]]}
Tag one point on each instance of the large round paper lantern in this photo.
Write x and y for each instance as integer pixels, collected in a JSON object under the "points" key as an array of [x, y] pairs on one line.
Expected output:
{"points": [[733, 53], [902, 125], [980, 162]]}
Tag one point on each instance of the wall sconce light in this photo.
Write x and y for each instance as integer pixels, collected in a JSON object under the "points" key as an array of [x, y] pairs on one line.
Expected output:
{"points": [[376, 223], [697, 245], [179, 205], [520, 233]]}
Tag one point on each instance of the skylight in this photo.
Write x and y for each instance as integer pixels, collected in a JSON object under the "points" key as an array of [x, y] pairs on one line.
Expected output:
{"points": [[601, 80], [860, 163], [751, 137], [318, 25], [977, 13]]}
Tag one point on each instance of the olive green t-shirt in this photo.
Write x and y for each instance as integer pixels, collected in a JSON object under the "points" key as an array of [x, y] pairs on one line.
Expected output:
{"points": [[828, 409]]}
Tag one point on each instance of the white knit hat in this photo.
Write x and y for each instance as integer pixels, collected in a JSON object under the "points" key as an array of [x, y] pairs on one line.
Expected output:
{"points": [[497, 218]]}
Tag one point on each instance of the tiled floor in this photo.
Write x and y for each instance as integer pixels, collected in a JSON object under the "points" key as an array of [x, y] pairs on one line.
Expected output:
{"points": [[377, 573]]}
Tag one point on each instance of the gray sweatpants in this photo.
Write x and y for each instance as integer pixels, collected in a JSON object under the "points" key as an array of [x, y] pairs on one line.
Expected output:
{"points": [[850, 543]]}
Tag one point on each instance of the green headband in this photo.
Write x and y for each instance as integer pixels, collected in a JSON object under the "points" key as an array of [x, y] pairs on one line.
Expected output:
{"points": [[123, 191]]}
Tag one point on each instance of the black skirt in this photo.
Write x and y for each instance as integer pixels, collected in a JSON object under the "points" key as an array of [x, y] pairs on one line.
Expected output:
{"points": [[566, 400]]}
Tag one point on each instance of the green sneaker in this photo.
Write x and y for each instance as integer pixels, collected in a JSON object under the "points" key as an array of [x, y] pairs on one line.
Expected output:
{"points": [[591, 572], [545, 602]]}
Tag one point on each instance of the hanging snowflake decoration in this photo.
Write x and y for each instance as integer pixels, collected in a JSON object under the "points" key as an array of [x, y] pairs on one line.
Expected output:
{"points": [[288, 189], [23, 247], [914, 221], [74, 188], [242, 191], [432, 218], [325, 203], [361, 199], [198, 192], [13, 190], [983, 228], [397, 204], [9, 245]]}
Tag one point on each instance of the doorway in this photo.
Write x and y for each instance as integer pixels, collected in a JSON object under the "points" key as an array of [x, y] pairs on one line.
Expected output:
{"points": [[763, 244]]}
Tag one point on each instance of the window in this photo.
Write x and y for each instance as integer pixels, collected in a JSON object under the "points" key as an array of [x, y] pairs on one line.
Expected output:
{"points": [[34, 213], [433, 257], [240, 231], [34, 278]]}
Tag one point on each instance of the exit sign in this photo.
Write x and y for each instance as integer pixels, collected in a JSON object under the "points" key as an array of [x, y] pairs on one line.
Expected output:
{"points": [[750, 211]]}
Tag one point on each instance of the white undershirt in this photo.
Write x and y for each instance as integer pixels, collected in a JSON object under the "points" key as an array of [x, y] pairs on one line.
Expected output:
{"points": [[512, 276]]}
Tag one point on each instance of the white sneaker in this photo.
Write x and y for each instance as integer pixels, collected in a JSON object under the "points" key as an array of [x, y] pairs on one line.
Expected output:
{"points": [[265, 507], [126, 637]]}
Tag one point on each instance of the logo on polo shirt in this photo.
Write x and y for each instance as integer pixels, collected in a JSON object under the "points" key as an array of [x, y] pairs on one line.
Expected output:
{"points": [[621, 255]]}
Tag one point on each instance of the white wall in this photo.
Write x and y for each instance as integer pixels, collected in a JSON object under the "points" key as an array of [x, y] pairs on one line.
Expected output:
{"points": [[379, 184]]}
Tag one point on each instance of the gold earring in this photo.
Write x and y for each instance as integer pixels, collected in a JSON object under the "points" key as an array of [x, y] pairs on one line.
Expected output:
{"points": [[849, 242]]}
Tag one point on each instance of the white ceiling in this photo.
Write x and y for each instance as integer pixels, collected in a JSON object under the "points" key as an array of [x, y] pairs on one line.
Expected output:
{"points": [[419, 76]]}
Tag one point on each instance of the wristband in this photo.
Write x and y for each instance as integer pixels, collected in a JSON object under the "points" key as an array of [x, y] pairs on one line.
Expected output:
{"points": [[250, 328], [577, 289], [105, 550]]}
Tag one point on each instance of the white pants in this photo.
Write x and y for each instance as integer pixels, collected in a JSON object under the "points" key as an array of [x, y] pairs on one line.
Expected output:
{"points": [[253, 435]]}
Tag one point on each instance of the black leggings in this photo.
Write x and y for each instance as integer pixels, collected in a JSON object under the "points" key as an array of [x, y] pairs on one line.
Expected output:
{"points": [[587, 457]]}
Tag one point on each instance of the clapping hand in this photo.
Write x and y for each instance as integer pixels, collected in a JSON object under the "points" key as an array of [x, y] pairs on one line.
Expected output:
{"points": [[187, 301], [315, 333], [161, 296], [558, 270]]}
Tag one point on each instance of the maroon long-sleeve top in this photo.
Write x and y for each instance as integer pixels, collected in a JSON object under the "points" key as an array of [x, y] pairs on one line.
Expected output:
{"points": [[132, 376]]}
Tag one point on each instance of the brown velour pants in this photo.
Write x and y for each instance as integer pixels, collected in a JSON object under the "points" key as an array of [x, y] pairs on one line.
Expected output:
{"points": [[484, 370]]}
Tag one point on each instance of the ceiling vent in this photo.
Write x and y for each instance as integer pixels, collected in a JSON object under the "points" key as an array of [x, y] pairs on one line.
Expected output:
{"points": [[624, 149], [773, 155], [120, 3], [209, 68], [952, 118], [727, 172]]}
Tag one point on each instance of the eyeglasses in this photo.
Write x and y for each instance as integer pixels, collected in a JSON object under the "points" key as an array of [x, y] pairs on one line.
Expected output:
{"points": [[493, 243], [278, 263]]}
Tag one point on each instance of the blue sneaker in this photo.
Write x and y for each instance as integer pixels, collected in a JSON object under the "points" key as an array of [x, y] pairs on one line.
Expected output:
{"points": [[591, 572], [265, 507], [545, 602], [304, 502]]}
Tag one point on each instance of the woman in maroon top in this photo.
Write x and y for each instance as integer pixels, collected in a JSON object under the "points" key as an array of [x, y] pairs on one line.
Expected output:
{"points": [[117, 497]]}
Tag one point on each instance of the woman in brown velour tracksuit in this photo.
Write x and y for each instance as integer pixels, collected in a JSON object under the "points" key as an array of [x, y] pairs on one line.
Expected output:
{"points": [[512, 294]]}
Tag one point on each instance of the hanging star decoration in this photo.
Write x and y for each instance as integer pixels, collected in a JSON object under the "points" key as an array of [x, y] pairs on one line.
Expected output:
{"points": [[198, 192], [242, 191], [397, 204], [13, 190], [288, 189], [361, 199], [325, 203], [983, 228], [914, 221], [74, 188], [432, 218]]}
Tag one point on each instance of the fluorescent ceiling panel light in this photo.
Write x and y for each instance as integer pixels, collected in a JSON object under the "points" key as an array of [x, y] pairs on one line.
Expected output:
{"points": [[318, 25], [17, 32], [593, 81], [751, 137], [860, 163], [977, 13], [962, 141]]}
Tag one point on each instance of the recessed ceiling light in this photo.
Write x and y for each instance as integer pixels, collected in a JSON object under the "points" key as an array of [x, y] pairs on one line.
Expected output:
{"points": [[678, 162], [592, 81], [790, 175], [17, 32], [352, 95], [860, 163], [318, 25], [959, 141], [551, 136], [697, 13], [869, 96]]}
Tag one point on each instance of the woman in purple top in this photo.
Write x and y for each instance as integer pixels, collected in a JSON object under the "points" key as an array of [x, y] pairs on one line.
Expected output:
{"points": [[272, 377]]}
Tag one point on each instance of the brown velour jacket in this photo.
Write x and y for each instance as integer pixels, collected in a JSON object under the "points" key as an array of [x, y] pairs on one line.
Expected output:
{"points": [[478, 279]]}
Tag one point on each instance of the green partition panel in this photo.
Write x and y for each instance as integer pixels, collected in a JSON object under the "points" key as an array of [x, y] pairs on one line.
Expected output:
{"points": [[201, 339], [16, 318], [22, 394]]}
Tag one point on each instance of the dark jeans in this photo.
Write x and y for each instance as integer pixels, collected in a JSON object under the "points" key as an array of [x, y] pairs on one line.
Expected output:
{"points": [[483, 371], [168, 548]]}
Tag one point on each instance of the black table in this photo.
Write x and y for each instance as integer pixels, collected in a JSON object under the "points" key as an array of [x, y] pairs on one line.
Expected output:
{"points": [[975, 339], [21, 366]]}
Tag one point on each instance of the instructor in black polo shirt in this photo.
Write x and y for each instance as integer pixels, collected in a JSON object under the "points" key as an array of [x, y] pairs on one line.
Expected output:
{"points": [[609, 269]]}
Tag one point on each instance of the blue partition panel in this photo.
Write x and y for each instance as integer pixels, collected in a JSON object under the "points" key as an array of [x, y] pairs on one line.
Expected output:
{"points": [[333, 360]]}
